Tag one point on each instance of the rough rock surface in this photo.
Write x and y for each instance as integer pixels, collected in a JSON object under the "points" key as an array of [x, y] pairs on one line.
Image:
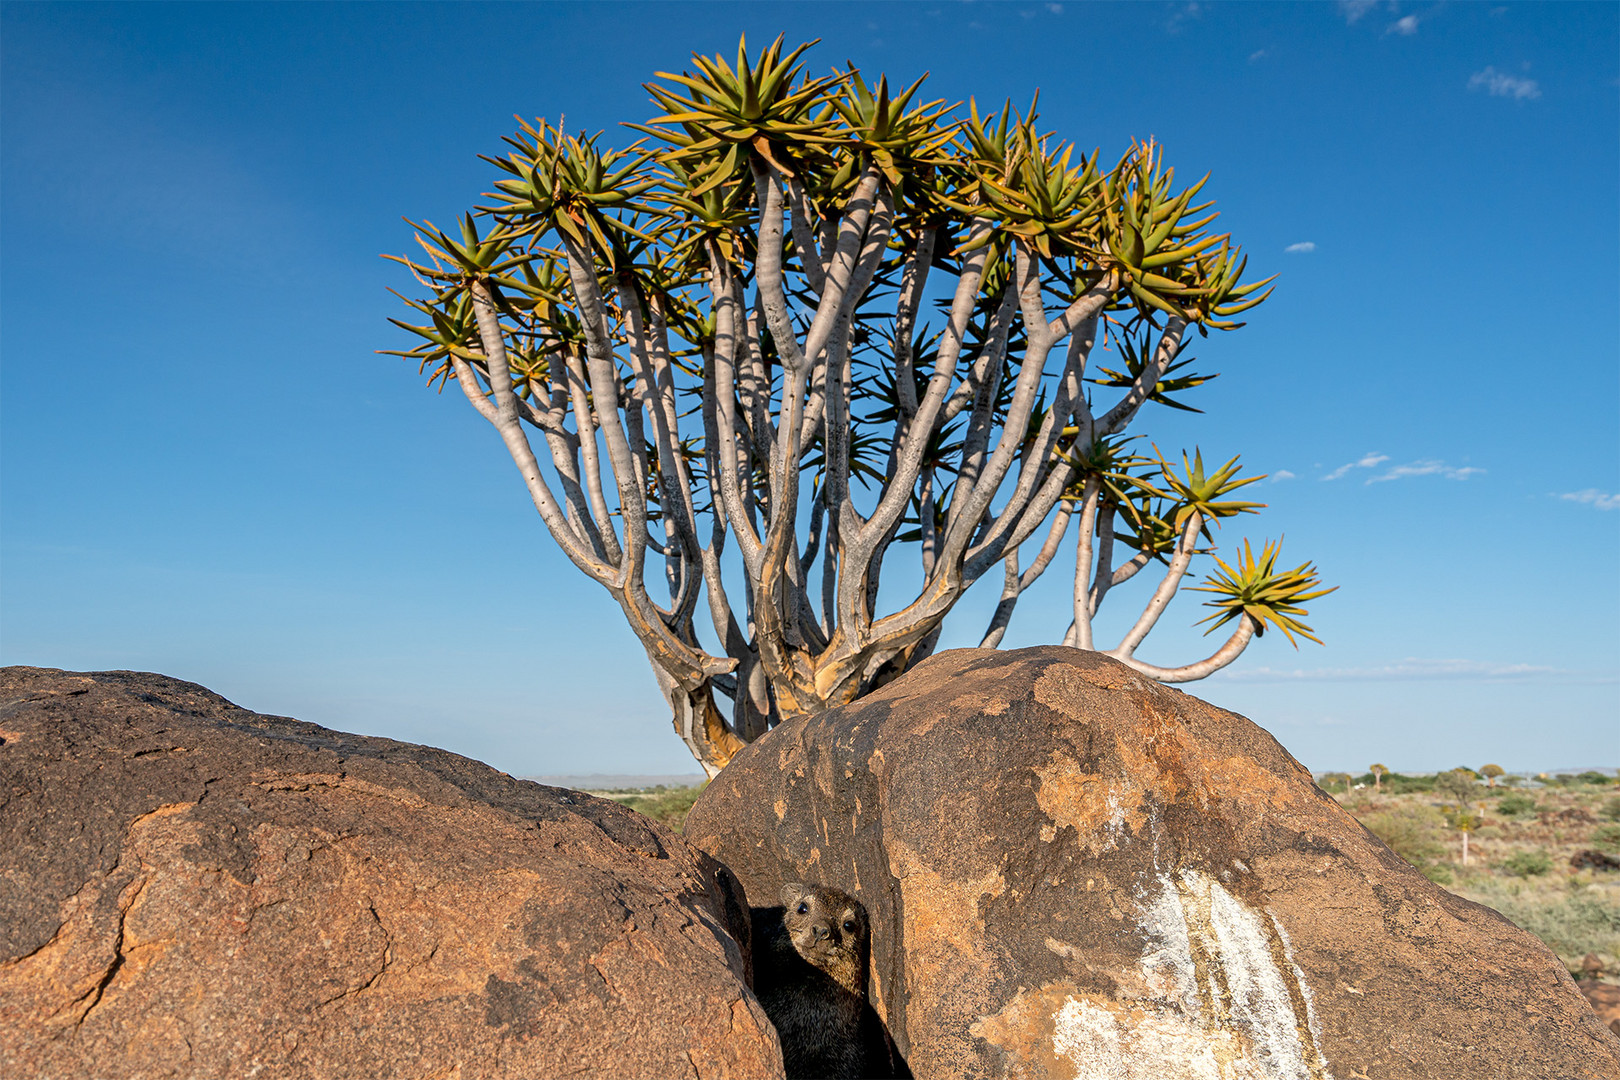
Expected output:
{"points": [[1605, 1001], [1072, 871], [191, 889]]}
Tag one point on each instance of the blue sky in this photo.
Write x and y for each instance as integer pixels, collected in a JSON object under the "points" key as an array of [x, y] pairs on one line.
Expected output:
{"points": [[207, 471]]}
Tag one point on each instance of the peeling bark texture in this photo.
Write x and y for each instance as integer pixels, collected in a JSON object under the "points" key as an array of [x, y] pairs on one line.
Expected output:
{"points": [[191, 889], [1072, 871]]}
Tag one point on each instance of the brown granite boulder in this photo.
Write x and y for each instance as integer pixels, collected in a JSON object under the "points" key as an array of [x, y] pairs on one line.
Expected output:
{"points": [[1072, 871], [190, 889], [1605, 1001]]}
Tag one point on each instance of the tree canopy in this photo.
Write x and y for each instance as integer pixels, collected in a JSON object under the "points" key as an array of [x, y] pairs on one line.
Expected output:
{"points": [[810, 333]]}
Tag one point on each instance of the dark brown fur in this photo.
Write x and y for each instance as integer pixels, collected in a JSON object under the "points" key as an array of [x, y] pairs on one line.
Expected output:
{"points": [[810, 972]]}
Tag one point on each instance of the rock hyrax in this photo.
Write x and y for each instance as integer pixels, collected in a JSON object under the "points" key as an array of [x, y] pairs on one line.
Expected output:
{"points": [[810, 964]]}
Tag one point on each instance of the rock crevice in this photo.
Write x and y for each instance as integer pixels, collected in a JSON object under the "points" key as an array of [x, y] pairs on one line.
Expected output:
{"points": [[1074, 872]]}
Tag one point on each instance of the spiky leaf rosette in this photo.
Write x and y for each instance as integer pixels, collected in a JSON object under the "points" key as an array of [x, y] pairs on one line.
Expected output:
{"points": [[1135, 346], [1201, 491], [564, 183], [1256, 588], [715, 119]]}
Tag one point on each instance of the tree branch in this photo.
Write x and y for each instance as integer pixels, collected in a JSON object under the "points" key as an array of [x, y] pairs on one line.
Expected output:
{"points": [[1185, 548], [1227, 653]]}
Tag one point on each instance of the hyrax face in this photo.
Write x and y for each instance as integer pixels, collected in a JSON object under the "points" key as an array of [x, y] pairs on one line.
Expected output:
{"points": [[829, 929]]}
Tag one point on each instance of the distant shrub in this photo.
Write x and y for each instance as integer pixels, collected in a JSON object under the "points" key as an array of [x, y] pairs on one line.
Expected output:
{"points": [[1611, 808], [1527, 863], [1397, 784], [1567, 780], [1412, 832], [1515, 803], [1458, 785], [1607, 838], [668, 805], [1584, 921]]}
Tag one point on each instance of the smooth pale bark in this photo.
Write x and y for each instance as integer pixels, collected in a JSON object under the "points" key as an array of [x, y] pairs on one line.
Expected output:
{"points": [[800, 638], [502, 414], [1228, 652], [1015, 584], [1186, 545], [1082, 563]]}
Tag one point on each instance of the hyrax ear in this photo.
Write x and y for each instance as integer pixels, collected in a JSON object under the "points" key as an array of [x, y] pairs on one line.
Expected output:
{"points": [[792, 893]]}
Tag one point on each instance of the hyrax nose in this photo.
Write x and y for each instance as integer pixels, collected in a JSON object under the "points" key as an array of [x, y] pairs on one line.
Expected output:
{"points": [[823, 931]]}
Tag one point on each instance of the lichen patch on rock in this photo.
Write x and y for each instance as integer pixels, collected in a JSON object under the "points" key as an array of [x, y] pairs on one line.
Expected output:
{"points": [[1072, 872]]}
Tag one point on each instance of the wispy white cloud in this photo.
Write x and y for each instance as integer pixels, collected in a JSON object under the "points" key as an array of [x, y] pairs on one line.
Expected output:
{"points": [[1182, 15], [1427, 467], [1258, 55], [1353, 10], [1280, 475], [1405, 26], [1304, 247], [1592, 497], [1367, 461], [1501, 84], [1408, 670], [1055, 9]]}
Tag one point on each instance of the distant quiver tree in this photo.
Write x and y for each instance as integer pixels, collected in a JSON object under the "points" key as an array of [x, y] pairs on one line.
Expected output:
{"points": [[827, 324]]}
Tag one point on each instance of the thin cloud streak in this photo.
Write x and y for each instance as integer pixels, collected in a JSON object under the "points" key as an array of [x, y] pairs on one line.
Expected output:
{"points": [[1367, 461], [1353, 10], [1302, 248], [1405, 27], [1183, 15], [1592, 497], [1501, 84], [1411, 669], [1427, 467]]}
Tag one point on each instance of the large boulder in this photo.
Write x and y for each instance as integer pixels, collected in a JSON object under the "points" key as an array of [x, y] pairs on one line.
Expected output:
{"points": [[191, 889], [1072, 871]]}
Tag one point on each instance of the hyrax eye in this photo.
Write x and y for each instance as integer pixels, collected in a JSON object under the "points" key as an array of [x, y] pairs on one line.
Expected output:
{"points": [[804, 909], [849, 925]]}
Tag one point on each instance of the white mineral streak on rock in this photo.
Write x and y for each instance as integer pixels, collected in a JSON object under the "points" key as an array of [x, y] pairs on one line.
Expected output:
{"points": [[1219, 1006], [1167, 964], [1260, 1002], [1305, 994], [1164, 1046]]}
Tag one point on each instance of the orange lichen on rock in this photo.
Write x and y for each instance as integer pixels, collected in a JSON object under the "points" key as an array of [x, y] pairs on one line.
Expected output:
{"points": [[1081, 874]]}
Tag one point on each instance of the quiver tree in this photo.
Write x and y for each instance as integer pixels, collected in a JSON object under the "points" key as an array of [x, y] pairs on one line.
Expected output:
{"points": [[831, 326]]}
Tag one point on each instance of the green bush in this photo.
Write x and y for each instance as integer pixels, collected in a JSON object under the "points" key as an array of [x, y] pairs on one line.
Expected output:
{"points": [[1611, 808], [1439, 873], [668, 805], [1527, 863], [1573, 924], [1397, 784], [1515, 803], [1607, 838], [1413, 833]]}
